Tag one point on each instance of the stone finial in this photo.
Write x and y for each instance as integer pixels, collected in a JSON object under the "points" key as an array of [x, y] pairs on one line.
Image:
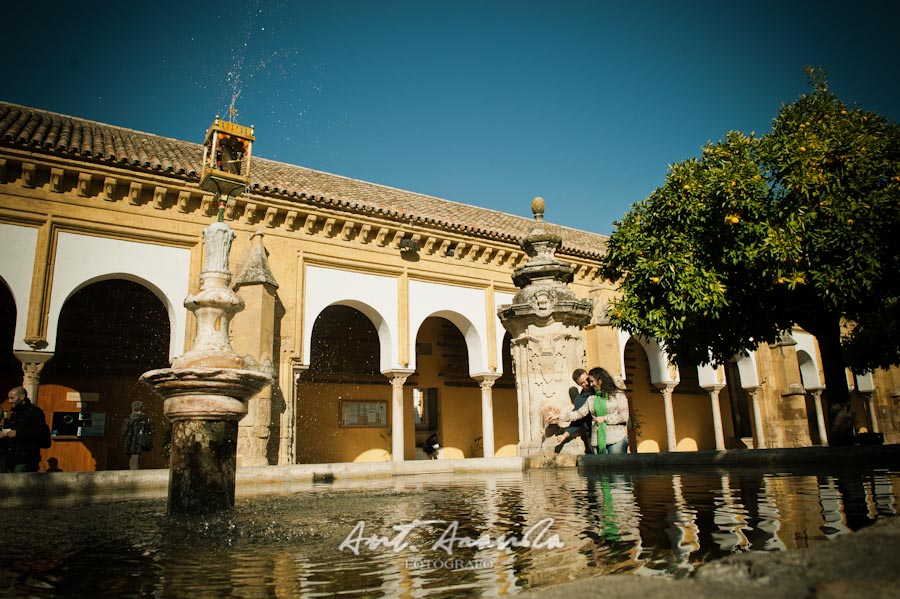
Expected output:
{"points": [[537, 208], [256, 271]]}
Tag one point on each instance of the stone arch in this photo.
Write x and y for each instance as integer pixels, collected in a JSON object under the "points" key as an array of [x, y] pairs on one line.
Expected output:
{"points": [[327, 287], [110, 331], [474, 344], [806, 358], [385, 339], [648, 434], [344, 369], [131, 278], [83, 259], [657, 358], [464, 307]]}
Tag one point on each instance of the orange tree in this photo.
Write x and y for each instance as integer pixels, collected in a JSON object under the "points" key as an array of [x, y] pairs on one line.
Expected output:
{"points": [[798, 227]]}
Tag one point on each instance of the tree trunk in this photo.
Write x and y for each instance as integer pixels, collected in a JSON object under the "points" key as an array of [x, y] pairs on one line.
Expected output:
{"points": [[827, 331]]}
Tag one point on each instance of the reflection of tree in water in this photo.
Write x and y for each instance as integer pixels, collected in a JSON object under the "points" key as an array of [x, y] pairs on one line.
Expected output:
{"points": [[613, 516]]}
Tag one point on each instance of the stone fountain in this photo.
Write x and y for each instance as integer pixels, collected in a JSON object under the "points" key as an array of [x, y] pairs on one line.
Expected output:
{"points": [[207, 388], [544, 320]]}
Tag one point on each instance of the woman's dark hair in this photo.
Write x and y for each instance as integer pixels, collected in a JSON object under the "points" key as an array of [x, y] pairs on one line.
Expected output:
{"points": [[604, 380]]}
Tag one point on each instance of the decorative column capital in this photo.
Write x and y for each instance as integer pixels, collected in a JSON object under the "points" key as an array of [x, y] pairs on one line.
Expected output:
{"points": [[666, 388], [713, 389], [398, 376], [486, 380]]}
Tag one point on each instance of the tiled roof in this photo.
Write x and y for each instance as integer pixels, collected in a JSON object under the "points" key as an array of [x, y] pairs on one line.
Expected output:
{"points": [[51, 133]]}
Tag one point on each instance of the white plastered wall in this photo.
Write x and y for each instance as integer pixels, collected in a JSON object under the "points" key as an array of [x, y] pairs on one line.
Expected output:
{"points": [[82, 259], [373, 295], [17, 247]]}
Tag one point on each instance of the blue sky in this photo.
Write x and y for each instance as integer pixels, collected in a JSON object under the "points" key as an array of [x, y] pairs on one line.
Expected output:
{"points": [[484, 102]]}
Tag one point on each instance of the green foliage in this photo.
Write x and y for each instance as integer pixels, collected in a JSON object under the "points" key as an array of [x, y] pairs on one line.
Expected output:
{"points": [[801, 225]]}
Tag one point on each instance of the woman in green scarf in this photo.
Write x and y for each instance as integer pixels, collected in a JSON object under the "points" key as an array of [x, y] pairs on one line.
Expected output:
{"points": [[609, 414]]}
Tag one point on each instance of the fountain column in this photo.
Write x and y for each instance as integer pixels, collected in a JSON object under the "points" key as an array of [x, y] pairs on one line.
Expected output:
{"points": [[545, 321], [206, 389]]}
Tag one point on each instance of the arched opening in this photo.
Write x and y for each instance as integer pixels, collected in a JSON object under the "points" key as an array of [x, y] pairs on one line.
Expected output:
{"points": [[442, 380], [693, 412], [648, 424], [343, 400], [109, 333], [739, 400]]}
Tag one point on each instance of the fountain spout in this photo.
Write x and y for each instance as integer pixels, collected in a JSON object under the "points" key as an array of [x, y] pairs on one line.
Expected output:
{"points": [[207, 388]]}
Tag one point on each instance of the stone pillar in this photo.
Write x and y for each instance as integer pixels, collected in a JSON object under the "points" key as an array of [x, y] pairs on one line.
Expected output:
{"points": [[666, 390], [716, 414], [759, 439], [869, 398], [254, 335], [486, 382], [820, 416], [32, 365], [398, 379], [545, 321]]}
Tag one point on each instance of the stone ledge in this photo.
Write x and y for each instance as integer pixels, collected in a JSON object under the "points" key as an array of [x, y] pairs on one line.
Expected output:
{"points": [[113, 484], [861, 564]]}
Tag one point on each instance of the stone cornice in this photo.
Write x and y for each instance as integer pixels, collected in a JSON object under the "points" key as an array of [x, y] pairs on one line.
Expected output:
{"points": [[68, 180]]}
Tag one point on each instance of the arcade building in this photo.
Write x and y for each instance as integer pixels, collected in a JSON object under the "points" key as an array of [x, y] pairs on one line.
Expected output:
{"points": [[383, 316]]}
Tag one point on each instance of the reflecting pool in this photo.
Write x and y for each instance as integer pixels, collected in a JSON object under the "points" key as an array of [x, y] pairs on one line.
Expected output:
{"points": [[431, 536]]}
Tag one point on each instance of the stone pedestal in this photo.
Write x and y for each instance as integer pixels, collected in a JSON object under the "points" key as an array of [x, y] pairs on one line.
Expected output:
{"points": [[202, 468]]}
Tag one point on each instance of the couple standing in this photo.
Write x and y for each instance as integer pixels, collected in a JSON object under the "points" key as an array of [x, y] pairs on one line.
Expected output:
{"points": [[600, 416]]}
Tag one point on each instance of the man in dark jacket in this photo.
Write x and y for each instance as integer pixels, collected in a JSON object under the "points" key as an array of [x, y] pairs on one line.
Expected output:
{"points": [[26, 430], [582, 428], [137, 434]]}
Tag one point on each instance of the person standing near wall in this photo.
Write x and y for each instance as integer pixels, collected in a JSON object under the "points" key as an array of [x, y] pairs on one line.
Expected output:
{"points": [[27, 432], [137, 435]]}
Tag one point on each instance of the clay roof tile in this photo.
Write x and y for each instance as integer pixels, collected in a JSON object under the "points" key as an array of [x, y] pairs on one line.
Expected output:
{"points": [[53, 132]]}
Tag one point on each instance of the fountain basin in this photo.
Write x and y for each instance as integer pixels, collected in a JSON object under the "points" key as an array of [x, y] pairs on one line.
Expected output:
{"points": [[205, 393]]}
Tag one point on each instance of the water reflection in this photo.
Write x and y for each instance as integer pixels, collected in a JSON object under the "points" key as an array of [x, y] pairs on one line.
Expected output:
{"points": [[290, 545]]}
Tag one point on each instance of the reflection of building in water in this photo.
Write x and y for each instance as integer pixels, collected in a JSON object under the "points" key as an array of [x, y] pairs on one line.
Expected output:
{"points": [[769, 517], [730, 518], [683, 532], [495, 568], [883, 495], [835, 522]]}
